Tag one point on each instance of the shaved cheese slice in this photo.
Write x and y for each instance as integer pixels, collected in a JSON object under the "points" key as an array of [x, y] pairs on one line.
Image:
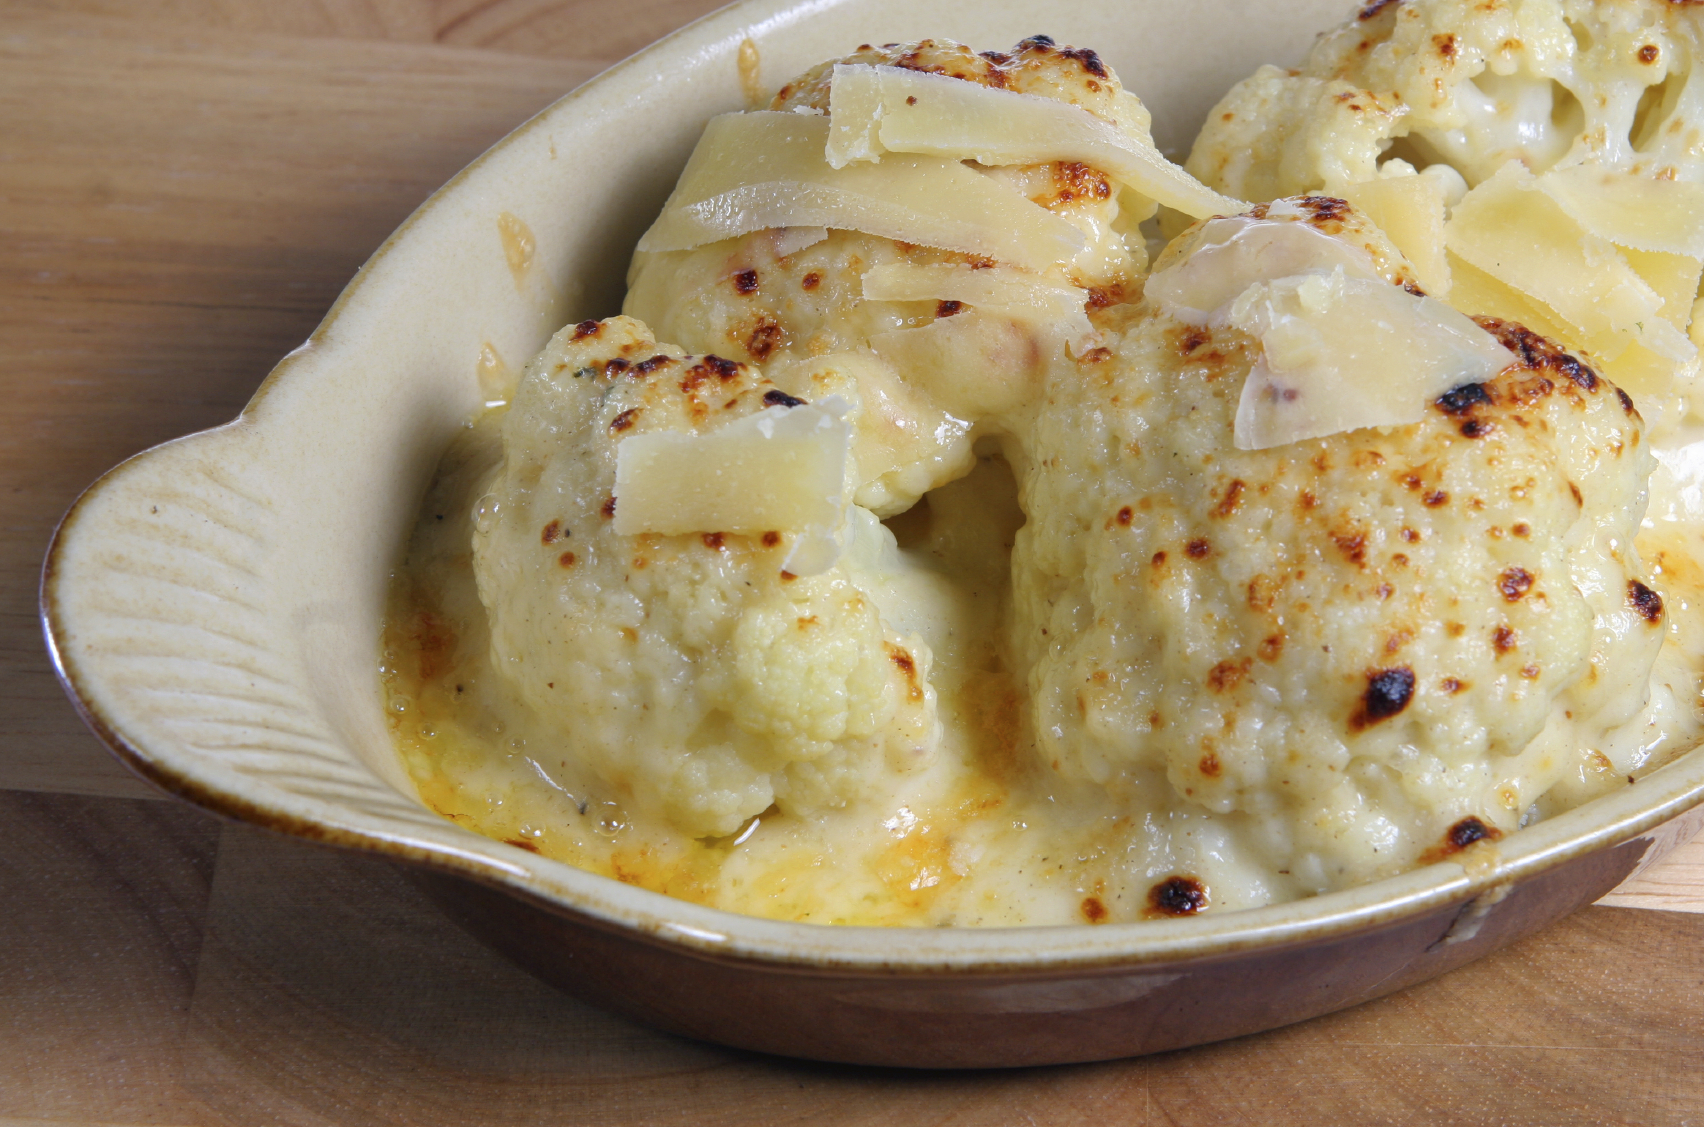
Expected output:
{"points": [[1340, 353], [782, 469], [1236, 252], [1674, 277], [917, 112], [754, 171], [1631, 211], [1522, 237], [1410, 211], [971, 365], [998, 289]]}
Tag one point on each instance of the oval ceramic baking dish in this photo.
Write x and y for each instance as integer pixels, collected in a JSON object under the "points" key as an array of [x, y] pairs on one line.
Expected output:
{"points": [[213, 606]]}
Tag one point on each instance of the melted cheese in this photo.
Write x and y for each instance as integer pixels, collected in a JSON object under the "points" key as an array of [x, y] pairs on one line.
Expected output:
{"points": [[879, 110], [1000, 290], [755, 171], [1339, 353], [782, 469]]}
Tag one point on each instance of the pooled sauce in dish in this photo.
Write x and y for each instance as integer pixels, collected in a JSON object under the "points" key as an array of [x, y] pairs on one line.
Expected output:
{"points": [[1047, 586]]}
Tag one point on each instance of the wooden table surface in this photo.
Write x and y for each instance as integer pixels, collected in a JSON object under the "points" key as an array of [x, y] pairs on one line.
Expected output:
{"points": [[185, 185]]}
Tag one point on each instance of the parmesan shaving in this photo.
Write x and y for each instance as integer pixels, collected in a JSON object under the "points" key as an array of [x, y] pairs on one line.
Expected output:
{"points": [[889, 109], [1340, 353], [1631, 211], [1236, 252], [755, 171], [782, 469], [1410, 211]]}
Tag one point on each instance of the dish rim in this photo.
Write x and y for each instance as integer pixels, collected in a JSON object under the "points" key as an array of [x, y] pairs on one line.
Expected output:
{"points": [[717, 934]]}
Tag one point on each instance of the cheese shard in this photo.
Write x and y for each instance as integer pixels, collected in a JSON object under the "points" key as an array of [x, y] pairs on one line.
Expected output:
{"points": [[996, 290], [1519, 235], [974, 364], [1410, 211], [1631, 211], [918, 112], [1340, 353], [755, 171], [1238, 251], [782, 469]]}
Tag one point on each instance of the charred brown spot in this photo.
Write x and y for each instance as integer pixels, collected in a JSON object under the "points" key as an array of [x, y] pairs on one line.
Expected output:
{"points": [[1648, 53], [911, 99], [1575, 490], [1271, 647], [646, 367], [1353, 545], [1522, 530], [1193, 339], [1476, 428], [948, 308], [1104, 297], [1515, 582], [1262, 594], [1538, 354], [714, 540], [1159, 559], [1446, 45], [1125, 516], [765, 338], [1459, 400], [1197, 549], [1503, 639], [1178, 896], [775, 397], [1227, 674], [1090, 61], [521, 843], [617, 365], [1647, 602], [770, 539], [1095, 356], [1435, 498], [1626, 400], [567, 559], [1458, 837], [1231, 500], [811, 281], [1452, 685], [907, 666], [746, 281], [552, 532], [624, 420], [608, 508], [1093, 910], [724, 369], [1210, 766], [1325, 209], [587, 329], [1388, 693]]}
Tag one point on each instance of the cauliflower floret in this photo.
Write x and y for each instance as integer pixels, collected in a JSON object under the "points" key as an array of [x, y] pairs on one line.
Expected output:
{"points": [[779, 298], [690, 672], [1365, 632], [1472, 85]]}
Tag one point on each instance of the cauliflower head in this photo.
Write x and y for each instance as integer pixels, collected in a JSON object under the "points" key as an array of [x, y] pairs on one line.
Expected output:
{"points": [[940, 372], [690, 672], [1472, 85], [1365, 632]]}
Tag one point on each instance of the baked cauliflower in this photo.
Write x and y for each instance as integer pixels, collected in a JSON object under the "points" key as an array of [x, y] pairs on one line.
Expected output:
{"points": [[1367, 632], [940, 373], [692, 673]]}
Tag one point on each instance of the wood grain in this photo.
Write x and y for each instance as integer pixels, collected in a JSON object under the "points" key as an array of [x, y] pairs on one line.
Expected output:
{"points": [[226, 976]]}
